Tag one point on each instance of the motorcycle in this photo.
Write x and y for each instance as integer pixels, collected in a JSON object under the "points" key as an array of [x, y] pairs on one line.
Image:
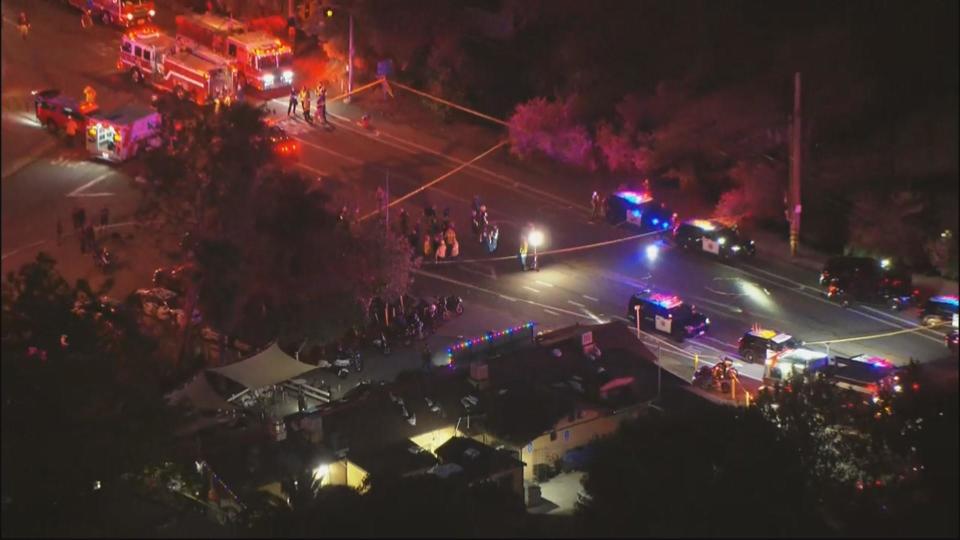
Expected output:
{"points": [[102, 258], [380, 342], [453, 304]]}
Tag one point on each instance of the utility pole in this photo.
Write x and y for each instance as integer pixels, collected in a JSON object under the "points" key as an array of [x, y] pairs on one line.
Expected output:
{"points": [[794, 208], [350, 62]]}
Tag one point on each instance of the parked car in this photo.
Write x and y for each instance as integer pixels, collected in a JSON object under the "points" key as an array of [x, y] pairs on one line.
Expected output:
{"points": [[759, 344]]}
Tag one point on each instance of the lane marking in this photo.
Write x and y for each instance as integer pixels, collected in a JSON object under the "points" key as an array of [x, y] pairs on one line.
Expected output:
{"points": [[578, 304], [544, 283], [489, 291], [551, 312], [22, 248], [510, 298], [590, 297], [79, 191], [530, 289]]}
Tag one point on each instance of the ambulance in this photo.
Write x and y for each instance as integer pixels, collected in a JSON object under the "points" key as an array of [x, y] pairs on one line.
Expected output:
{"points": [[120, 134], [162, 61]]}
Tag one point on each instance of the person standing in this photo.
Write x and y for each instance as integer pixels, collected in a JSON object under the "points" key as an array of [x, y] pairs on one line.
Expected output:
{"points": [[23, 24], [595, 203], [322, 107], [104, 217], [522, 253], [70, 129], [81, 218], [292, 106], [305, 105]]}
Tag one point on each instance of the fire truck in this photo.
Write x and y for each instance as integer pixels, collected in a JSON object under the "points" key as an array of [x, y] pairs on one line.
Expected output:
{"points": [[123, 13], [152, 57], [260, 59]]}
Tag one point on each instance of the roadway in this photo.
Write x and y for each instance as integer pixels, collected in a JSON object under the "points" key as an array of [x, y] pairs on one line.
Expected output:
{"points": [[351, 162]]}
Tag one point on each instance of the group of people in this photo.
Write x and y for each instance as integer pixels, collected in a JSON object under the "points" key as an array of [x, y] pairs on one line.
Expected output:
{"points": [[86, 231], [440, 237], [303, 97]]}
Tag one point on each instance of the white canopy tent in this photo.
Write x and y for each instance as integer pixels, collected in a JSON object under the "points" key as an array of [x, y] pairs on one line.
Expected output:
{"points": [[269, 367]]}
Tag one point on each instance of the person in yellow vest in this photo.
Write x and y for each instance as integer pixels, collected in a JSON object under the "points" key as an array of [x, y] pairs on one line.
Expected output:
{"points": [[522, 253], [90, 95], [427, 245], [71, 130]]}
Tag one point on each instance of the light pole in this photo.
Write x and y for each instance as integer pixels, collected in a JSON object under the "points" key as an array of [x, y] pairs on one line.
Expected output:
{"points": [[349, 61]]}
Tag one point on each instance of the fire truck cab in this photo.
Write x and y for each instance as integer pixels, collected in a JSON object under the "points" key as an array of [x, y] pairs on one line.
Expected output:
{"points": [[125, 13], [260, 59], [120, 134], [168, 64]]}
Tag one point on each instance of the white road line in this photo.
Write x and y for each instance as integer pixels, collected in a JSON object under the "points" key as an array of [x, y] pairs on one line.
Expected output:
{"points": [[510, 298], [551, 312], [590, 298], [578, 304], [530, 289], [79, 191], [19, 249], [488, 291], [544, 283]]}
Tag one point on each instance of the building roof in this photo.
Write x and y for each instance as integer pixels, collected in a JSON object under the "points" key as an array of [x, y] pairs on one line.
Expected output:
{"points": [[125, 114], [396, 459], [266, 368], [477, 460]]}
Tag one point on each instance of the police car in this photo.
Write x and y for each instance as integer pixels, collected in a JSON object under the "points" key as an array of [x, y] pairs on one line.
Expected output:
{"points": [[713, 237], [759, 344], [940, 309], [639, 209], [667, 313]]}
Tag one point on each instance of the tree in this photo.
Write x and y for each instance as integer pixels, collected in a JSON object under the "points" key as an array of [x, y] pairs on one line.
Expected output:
{"points": [[271, 258], [692, 475], [889, 225], [82, 402], [551, 128]]}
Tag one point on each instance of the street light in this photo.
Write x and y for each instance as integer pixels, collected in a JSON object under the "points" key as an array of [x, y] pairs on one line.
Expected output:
{"points": [[535, 239]]}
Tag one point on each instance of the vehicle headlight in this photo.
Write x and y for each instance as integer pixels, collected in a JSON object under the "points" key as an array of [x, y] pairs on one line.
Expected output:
{"points": [[722, 240], [151, 13], [287, 75], [706, 321], [268, 79], [734, 248], [129, 16]]}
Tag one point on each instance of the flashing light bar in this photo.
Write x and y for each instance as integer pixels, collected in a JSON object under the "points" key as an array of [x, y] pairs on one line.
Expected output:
{"points": [[486, 338], [946, 299], [634, 196], [666, 301], [702, 224], [765, 334]]}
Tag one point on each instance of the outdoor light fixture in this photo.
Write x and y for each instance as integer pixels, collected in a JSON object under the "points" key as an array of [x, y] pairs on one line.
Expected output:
{"points": [[652, 251], [535, 238], [321, 471], [152, 13], [884, 263]]}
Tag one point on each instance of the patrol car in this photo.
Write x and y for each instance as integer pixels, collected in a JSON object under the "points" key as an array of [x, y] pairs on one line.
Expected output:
{"points": [[639, 209], [759, 344], [667, 313], [867, 280], [713, 237], [940, 310]]}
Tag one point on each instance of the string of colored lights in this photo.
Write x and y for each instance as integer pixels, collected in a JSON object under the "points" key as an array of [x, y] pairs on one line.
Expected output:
{"points": [[486, 338], [222, 483]]}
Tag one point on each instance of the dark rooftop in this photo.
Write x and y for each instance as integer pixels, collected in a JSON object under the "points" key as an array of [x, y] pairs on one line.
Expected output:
{"points": [[395, 459], [477, 460]]}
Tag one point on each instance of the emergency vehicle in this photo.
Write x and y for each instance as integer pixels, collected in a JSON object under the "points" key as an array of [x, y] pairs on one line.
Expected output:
{"points": [[260, 59], [867, 375], [120, 134], [713, 237], [124, 13], [759, 344], [639, 209], [667, 313], [160, 60], [53, 109]]}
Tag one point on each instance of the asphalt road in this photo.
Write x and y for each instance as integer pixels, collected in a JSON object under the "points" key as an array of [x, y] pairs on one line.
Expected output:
{"points": [[586, 286]]}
